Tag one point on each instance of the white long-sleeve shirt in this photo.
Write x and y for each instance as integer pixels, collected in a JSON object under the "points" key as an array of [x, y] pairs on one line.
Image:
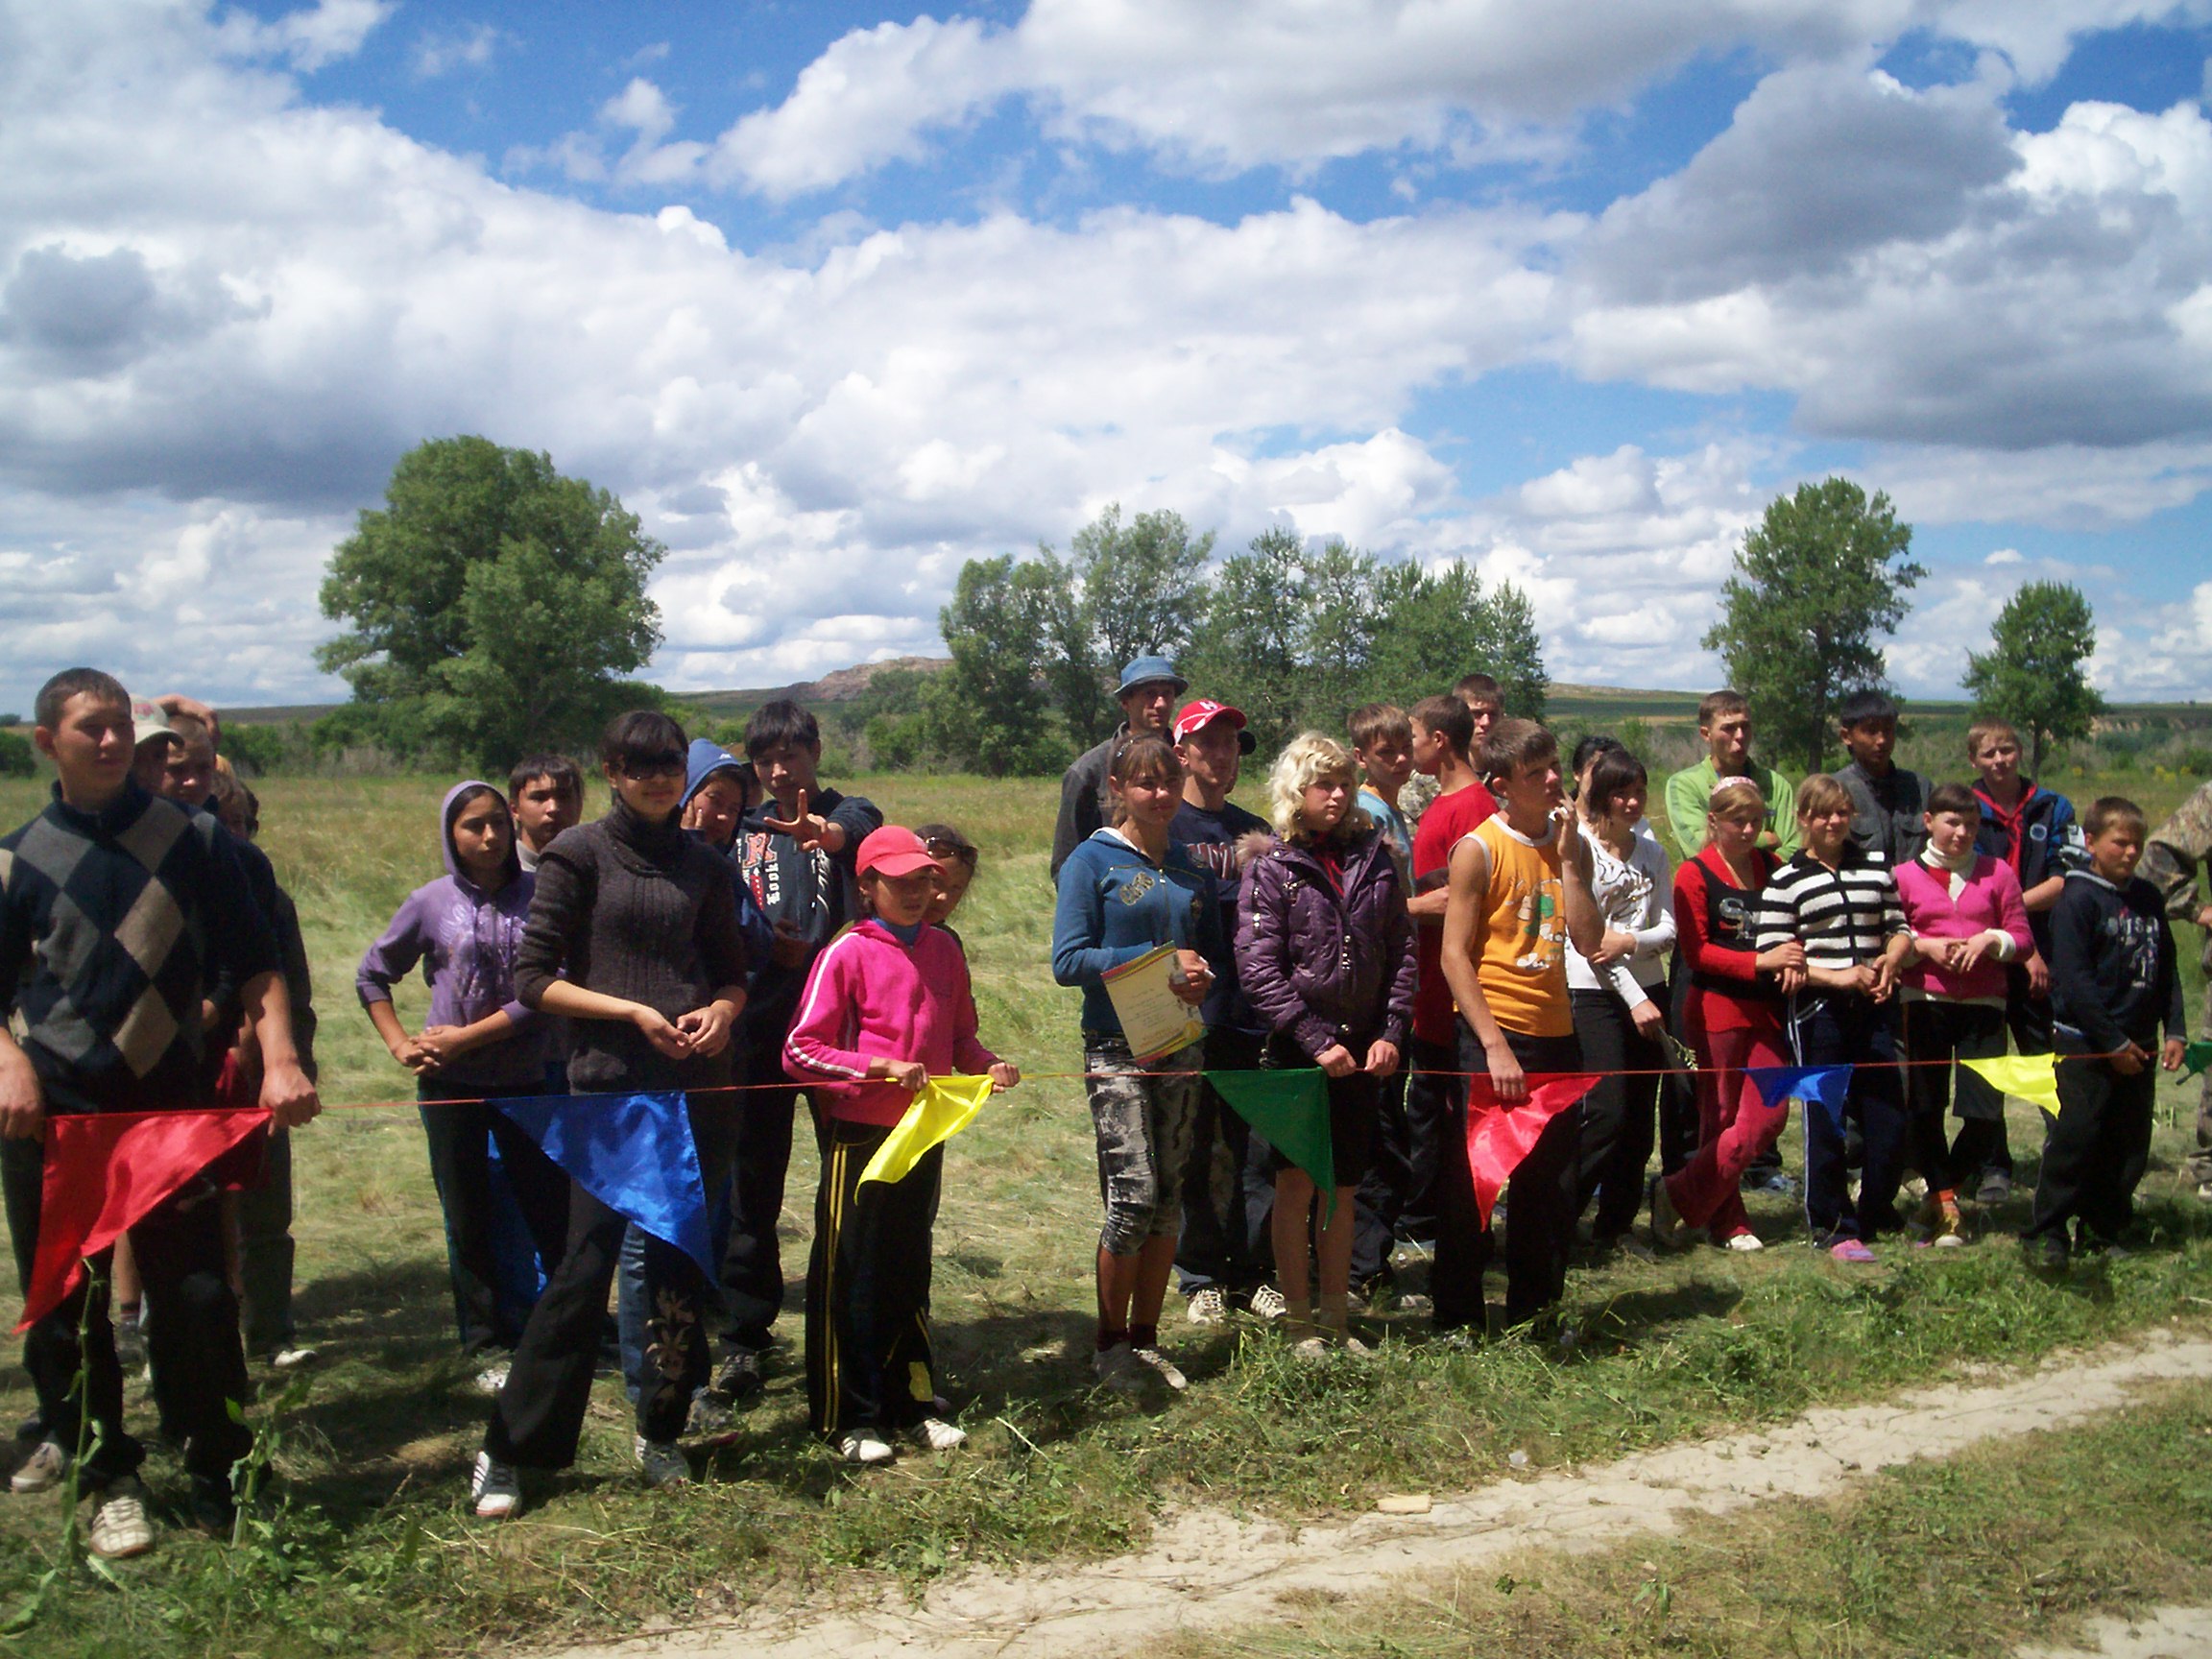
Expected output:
{"points": [[1636, 896]]}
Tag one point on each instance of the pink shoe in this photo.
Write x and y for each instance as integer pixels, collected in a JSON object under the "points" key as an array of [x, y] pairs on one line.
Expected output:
{"points": [[1851, 1250]]}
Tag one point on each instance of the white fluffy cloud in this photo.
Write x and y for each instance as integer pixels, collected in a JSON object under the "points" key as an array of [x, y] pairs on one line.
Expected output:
{"points": [[225, 310], [1216, 88]]}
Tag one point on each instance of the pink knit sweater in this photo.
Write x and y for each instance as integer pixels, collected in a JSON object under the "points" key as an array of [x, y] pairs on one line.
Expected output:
{"points": [[1989, 898], [869, 994]]}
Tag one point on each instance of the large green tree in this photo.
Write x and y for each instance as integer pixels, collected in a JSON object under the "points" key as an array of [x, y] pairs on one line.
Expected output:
{"points": [[1298, 635], [2037, 673], [493, 606], [1818, 585], [1126, 589], [989, 712]]}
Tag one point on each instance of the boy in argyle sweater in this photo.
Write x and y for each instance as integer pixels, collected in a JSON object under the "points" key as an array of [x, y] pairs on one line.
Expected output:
{"points": [[115, 922]]}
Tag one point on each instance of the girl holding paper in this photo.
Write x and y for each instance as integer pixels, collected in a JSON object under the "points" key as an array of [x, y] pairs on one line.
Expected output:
{"points": [[887, 1007], [1325, 952], [1126, 892]]}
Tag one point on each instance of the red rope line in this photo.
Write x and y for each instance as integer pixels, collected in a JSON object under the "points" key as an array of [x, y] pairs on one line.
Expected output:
{"points": [[1026, 1077]]}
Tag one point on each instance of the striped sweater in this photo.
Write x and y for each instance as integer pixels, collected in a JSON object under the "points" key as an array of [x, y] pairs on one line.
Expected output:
{"points": [[1842, 917]]}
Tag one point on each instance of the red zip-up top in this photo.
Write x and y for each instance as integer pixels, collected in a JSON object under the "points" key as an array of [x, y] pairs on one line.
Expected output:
{"points": [[870, 995], [1715, 921]]}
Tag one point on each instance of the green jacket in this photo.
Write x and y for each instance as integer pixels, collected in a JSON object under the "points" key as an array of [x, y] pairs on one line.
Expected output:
{"points": [[1688, 789]]}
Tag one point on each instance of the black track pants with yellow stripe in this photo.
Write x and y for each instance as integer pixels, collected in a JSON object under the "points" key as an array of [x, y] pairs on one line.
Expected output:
{"points": [[868, 1355]]}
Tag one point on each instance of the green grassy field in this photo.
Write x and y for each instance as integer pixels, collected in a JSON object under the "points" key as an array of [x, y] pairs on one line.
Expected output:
{"points": [[375, 1546]]}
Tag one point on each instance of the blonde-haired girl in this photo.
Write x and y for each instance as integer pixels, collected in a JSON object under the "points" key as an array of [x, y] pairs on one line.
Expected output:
{"points": [[1325, 952]]}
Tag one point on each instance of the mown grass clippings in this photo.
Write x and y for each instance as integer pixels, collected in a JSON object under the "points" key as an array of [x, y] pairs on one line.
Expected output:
{"points": [[1970, 1556]]}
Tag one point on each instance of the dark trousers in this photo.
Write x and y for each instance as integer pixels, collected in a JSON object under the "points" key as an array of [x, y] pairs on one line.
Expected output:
{"points": [[461, 1124], [1411, 1140], [1540, 1232], [1374, 1206], [1835, 1029], [539, 1416], [1217, 1245], [266, 1251], [752, 1259], [1982, 1147], [870, 1363], [1618, 1126], [1680, 1120], [2096, 1151], [191, 1328], [1938, 1035]]}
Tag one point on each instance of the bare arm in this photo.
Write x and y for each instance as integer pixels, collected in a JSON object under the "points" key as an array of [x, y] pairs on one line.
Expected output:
{"points": [[22, 1101], [1463, 926], [285, 1091], [1585, 921]]}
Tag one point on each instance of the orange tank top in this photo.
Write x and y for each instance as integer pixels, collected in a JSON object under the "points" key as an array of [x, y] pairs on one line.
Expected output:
{"points": [[1522, 966]]}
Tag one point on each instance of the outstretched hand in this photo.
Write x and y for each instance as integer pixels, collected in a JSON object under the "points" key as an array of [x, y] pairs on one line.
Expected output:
{"points": [[811, 829]]}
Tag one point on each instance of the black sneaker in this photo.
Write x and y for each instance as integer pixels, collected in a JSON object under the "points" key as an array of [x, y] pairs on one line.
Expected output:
{"points": [[740, 1380], [214, 1510], [2045, 1254]]}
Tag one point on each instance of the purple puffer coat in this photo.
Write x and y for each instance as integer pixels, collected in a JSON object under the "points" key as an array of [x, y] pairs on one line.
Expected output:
{"points": [[1324, 968]]}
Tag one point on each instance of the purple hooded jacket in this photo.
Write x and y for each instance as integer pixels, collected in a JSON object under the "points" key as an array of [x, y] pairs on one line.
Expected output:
{"points": [[466, 940], [1321, 967]]}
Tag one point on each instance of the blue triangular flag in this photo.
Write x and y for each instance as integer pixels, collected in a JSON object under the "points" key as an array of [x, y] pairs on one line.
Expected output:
{"points": [[631, 1152], [1827, 1086]]}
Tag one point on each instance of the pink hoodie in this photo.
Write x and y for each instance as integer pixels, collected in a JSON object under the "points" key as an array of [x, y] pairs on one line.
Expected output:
{"points": [[1989, 901], [870, 995]]}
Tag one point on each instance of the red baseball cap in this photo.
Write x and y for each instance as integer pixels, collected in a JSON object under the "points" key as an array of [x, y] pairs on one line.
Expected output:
{"points": [[894, 851], [1201, 713]]}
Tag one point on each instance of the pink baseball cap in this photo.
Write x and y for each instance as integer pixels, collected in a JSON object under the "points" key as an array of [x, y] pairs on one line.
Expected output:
{"points": [[894, 851], [1201, 713]]}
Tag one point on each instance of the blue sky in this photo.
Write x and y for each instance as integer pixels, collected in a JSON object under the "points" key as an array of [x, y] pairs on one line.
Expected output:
{"points": [[839, 296]]}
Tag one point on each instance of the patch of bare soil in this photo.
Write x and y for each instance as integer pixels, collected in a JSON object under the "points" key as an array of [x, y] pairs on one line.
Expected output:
{"points": [[1207, 1569]]}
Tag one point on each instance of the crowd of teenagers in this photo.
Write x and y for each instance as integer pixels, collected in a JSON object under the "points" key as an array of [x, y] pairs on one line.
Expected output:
{"points": [[1426, 915]]}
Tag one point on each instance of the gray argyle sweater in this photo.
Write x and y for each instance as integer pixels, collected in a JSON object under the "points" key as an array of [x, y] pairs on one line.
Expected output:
{"points": [[113, 926]]}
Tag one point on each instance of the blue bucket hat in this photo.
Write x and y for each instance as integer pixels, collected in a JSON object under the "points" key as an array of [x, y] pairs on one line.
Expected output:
{"points": [[1149, 668]]}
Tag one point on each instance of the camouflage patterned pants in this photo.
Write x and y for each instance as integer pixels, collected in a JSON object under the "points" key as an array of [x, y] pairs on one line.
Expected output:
{"points": [[2199, 1164], [1143, 1114]]}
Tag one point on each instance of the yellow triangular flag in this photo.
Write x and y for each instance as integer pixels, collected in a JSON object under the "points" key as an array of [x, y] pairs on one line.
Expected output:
{"points": [[2032, 1077], [943, 1107]]}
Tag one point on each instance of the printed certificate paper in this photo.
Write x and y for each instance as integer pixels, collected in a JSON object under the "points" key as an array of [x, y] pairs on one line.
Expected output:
{"points": [[1154, 1019]]}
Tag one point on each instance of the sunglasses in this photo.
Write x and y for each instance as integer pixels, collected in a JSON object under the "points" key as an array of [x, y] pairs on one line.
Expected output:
{"points": [[940, 848], [647, 767]]}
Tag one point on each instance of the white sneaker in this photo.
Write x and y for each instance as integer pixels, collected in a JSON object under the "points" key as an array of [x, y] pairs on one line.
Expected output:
{"points": [[1162, 1366], [1116, 1368], [42, 1470], [1208, 1306], [865, 1446], [494, 1488], [1744, 1242], [938, 1435], [292, 1358], [663, 1462], [1267, 1303], [491, 1378], [119, 1525]]}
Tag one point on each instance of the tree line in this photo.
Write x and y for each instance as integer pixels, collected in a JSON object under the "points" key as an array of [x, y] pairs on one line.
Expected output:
{"points": [[492, 606]]}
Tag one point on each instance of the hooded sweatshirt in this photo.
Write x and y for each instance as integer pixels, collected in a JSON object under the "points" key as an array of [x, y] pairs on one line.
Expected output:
{"points": [[706, 759], [2039, 838], [467, 940], [872, 992]]}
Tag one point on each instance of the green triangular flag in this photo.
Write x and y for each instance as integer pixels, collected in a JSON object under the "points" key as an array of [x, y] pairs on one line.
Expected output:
{"points": [[2195, 1057], [1290, 1110]]}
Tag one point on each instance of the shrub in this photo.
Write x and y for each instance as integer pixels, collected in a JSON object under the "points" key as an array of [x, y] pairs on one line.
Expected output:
{"points": [[17, 759]]}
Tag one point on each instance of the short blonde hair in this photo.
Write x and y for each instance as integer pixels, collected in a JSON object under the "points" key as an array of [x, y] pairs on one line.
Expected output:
{"points": [[1821, 793], [1733, 797], [1309, 758]]}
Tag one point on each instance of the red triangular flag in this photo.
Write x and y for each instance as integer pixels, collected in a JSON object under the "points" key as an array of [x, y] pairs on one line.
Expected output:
{"points": [[106, 1171], [1501, 1132]]}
